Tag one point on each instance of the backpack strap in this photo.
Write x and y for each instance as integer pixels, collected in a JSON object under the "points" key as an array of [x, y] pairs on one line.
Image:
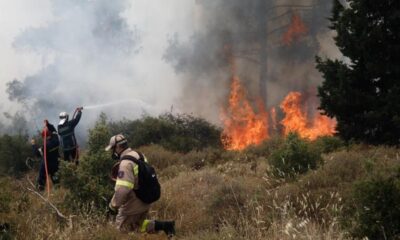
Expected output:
{"points": [[138, 162], [133, 159]]}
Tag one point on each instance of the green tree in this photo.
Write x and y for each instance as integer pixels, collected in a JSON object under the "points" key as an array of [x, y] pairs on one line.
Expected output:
{"points": [[13, 152], [89, 182], [362, 91]]}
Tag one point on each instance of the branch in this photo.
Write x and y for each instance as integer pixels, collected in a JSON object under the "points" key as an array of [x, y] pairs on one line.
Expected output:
{"points": [[59, 214]]}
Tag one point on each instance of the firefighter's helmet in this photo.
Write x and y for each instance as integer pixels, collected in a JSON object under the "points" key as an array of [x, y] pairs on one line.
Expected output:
{"points": [[63, 117]]}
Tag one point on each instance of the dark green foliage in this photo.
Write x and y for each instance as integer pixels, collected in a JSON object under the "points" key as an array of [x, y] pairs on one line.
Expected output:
{"points": [[363, 91], [265, 149], [99, 137], [293, 157], [5, 196], [374, 209], [181, 133], [13, 152], [89, 182], [327, 144]]}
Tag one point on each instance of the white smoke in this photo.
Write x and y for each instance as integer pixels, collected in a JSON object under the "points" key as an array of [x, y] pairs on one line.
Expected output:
{"points": [[92, 52]]}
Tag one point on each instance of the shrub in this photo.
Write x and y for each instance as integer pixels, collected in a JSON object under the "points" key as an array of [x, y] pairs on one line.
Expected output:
{"points": [[327, 144], [293, 157], [5, 196], [265, 149], [374, 209], [13, 152], [89, 182], [181, 133]]}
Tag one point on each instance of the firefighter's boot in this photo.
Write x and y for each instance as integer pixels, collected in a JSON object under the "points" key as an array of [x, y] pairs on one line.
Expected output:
{"points": [[167, 226]]}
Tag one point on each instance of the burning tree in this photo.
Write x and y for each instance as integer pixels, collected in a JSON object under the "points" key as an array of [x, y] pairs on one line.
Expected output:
{"points": [[363, 89], [273, 43]]}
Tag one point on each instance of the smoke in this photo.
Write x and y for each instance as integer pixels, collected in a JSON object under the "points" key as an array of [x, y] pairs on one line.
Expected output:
{"points": [[245, 27], [103, 54], [129, 57]]}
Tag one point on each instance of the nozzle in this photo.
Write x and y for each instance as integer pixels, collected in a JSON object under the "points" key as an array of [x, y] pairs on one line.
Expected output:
{"points": [[79, 108]]}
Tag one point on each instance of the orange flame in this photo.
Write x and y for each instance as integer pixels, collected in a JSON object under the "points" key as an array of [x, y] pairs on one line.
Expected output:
{"points": [[296, 29], [296, 120], [242, 125]]}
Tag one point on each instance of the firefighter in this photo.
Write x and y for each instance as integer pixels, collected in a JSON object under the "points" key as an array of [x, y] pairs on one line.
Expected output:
{"points": [[130, 210], [67, 136], [50, 138]]}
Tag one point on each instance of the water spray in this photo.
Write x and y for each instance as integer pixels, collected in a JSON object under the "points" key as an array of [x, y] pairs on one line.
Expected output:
{"points": [[101, 105]]}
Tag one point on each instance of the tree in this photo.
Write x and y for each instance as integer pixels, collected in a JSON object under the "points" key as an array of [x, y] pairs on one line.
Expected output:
{"points": [[89, 182], [362, 91], [250, 31]]}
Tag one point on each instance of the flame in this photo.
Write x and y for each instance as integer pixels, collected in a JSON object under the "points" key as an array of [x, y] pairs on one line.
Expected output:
{"points": [[296, 120], [242, 125], [296, 29]]}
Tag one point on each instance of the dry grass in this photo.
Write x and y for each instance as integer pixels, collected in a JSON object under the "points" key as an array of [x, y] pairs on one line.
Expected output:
{"points": [[233, 198]]}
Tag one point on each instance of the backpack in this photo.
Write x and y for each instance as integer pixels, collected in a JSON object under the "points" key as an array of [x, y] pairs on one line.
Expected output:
{"points": [[149, 188]]}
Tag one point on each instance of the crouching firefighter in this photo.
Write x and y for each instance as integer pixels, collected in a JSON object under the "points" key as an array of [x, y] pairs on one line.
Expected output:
{"points": [[136, 187], [50, 144]]}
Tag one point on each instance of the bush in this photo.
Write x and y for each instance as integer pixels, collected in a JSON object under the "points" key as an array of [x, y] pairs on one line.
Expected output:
{"points": [[181, 133], [374, 209], [89, 182], [327, 144], [265, 149], [293, 157], [13, 152]]}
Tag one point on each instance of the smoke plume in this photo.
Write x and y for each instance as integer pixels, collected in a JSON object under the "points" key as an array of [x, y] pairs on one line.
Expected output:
{"points": [[99, 54], [126, 57], [246, 28]]}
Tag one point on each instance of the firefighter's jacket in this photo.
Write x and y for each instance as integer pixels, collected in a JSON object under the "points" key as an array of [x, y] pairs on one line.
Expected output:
{"points": [[66, 132], [52, 144], [124, 197]]}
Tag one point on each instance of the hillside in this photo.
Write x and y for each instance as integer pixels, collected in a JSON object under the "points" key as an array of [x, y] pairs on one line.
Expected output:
{"points": [[217, 194]]}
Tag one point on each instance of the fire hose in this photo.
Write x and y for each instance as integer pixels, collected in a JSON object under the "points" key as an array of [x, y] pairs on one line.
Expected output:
{"points": [[45, 161]]}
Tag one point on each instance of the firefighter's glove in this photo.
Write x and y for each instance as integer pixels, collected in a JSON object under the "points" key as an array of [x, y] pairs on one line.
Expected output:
{"points": [[112, 210]]}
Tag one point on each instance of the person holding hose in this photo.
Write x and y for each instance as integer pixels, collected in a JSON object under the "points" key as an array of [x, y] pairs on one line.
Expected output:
{"points": [[50, 139], [66, 132]]}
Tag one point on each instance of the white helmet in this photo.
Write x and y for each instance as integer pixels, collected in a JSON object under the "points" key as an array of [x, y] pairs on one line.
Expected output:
{"points": [[63, 118]]}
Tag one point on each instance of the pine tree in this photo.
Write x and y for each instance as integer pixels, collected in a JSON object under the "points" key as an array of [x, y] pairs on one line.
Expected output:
{"points": [[362, 91]]}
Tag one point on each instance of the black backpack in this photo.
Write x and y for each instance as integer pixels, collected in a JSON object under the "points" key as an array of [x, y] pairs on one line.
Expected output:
{"points": [[149, 188]]}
